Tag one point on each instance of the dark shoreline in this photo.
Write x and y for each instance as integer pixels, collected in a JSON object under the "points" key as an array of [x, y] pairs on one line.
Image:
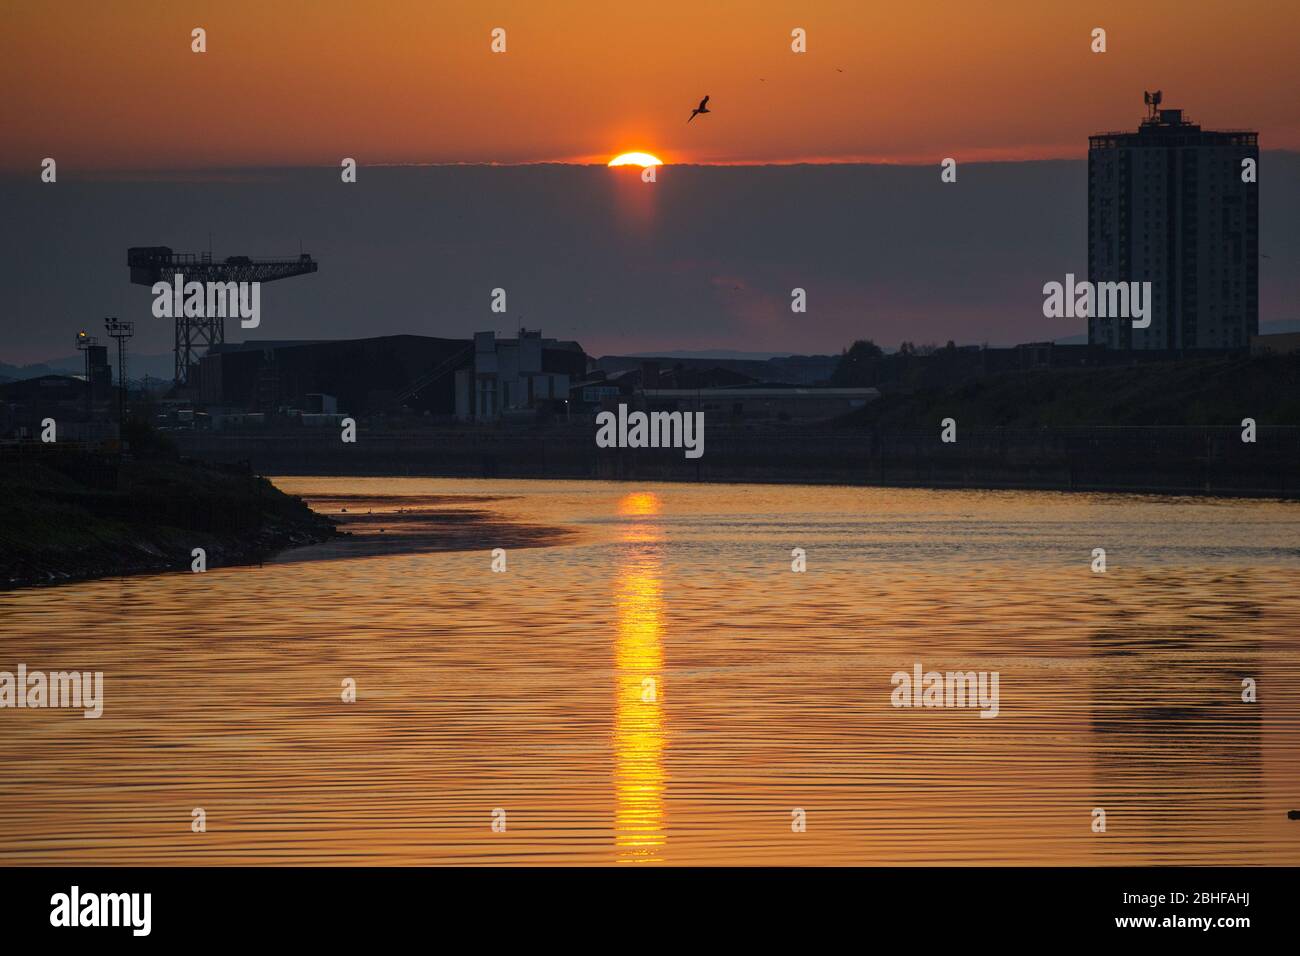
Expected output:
{"points": [[72, 514], [286, 528], [424, 524], [1172, 461], [34, 573]]}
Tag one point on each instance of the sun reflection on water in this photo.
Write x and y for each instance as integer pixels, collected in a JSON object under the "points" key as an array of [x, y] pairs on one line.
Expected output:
{"points": [[638, 660]]}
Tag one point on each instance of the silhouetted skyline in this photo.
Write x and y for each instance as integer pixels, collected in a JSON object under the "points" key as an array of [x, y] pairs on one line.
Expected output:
{"points": [[704, 258]]}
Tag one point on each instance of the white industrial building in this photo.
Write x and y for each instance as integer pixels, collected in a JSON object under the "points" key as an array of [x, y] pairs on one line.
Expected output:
{"points": [[507, 378]]}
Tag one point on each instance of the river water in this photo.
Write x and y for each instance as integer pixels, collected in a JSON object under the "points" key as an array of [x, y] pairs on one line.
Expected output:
{"points": [[649, 681]]}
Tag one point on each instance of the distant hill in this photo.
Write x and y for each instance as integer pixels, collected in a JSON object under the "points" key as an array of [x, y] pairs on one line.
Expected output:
{"points": [[1279, 327], [17, 373], [155, 366]]}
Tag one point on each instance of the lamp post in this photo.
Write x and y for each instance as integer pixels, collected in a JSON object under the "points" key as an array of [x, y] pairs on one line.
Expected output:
{"points": [[120, 331], [84, 342]]}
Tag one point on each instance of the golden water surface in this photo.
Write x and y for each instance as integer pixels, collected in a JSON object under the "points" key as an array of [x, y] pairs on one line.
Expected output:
{"points": [[658, 685]]}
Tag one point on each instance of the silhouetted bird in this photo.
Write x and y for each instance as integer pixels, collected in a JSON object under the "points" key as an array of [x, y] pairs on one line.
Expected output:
{"points": [[702, 108]]}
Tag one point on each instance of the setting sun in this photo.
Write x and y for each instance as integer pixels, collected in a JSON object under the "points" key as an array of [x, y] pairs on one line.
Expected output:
{"points": [[636, 159]]}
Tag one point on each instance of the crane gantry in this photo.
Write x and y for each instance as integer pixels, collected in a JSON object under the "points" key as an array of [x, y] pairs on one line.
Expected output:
{"points": [[153, 264]]}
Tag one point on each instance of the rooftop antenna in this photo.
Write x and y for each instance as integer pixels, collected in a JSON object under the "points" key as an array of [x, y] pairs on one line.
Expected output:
{"points": [[1152, 101]]}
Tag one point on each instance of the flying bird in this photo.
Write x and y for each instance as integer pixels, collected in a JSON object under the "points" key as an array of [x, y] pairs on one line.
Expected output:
{"points": [[702, 108]]}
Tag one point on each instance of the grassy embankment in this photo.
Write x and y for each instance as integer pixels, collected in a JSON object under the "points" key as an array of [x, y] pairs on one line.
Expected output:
{"points": [[1194, 393], [69, 514]]}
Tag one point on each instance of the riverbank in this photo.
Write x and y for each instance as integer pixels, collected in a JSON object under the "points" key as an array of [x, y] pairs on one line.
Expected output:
{"points": [[1170, 460], [375, 525], [71, 514]]}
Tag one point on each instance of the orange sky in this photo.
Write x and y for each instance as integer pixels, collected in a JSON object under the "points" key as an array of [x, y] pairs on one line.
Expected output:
{"points": [[114, 86]]}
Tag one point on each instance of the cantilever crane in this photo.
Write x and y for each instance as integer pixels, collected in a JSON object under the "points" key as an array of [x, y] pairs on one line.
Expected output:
{"points": [[150, 264]]}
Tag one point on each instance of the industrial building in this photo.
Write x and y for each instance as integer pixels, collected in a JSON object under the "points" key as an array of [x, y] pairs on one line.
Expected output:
{"points": [[387, 374], [519, 377], [1174, 205], [361, 376], [80, 410]]}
